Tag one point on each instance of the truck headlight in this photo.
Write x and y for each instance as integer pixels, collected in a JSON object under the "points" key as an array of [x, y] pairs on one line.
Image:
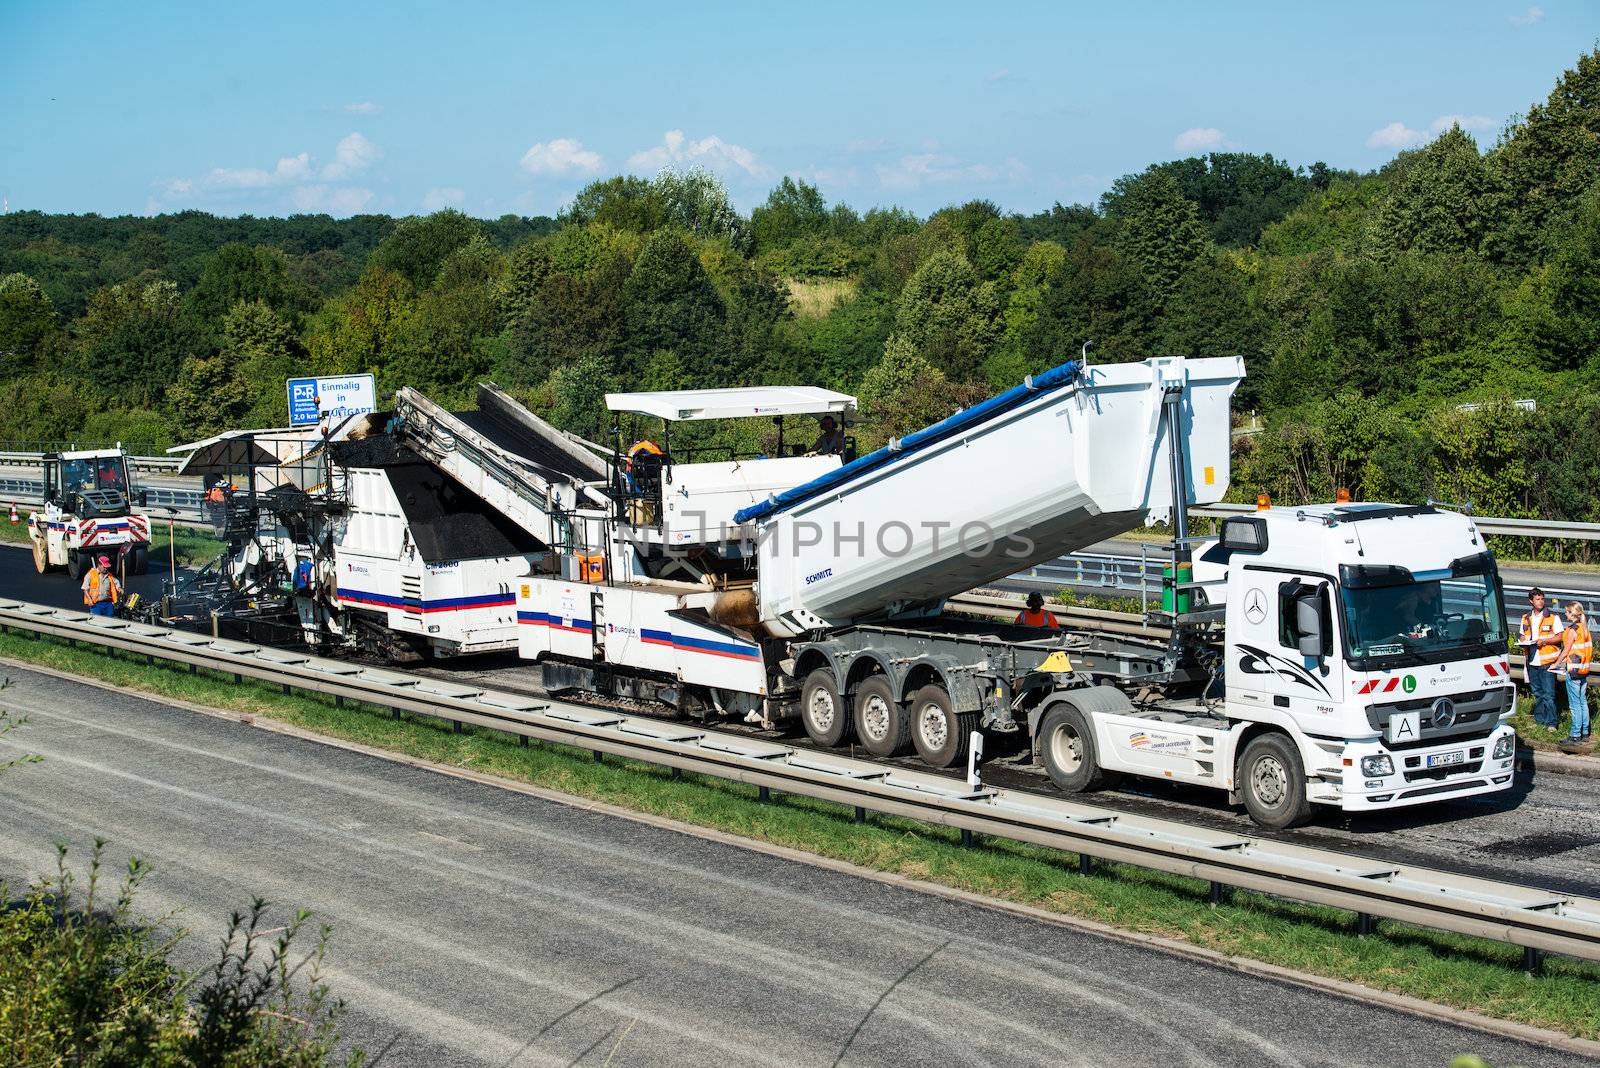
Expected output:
{"points": [[1376, 766], [1505, 747]]}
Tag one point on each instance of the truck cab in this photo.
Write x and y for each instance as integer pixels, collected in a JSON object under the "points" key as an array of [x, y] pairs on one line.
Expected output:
{"points": [[88, 511], [1374, 637]]}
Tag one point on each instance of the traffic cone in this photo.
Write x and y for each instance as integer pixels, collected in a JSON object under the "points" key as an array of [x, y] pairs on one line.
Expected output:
{"points": [[15, 518]]}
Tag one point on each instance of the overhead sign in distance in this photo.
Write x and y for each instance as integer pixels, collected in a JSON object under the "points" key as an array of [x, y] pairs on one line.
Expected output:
{"points": [[313, 399]]}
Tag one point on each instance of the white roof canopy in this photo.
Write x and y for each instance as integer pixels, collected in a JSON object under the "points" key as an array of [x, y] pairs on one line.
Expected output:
{"points": [[745, 403]]}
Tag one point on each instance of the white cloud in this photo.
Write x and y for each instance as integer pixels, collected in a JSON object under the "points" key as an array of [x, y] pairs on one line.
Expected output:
{"points": [[334, 200], [1466, 122], [712, 152], [932, 168], [1202, 139], [561, 156], [1002, 75], [442, 197], [1396, 135], [293, 182], [365, 107], [1530, 17], [353, 155]]}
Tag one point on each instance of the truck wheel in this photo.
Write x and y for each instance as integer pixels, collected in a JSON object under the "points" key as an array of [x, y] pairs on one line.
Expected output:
{"points": [[822, 710], [139, 561], [41, 557], [1067, 749], [882, 723], [77, 566], [1274, 786], [939, 732]]}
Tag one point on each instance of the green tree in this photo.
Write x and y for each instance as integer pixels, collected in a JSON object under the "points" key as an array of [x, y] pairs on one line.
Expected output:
{"points": [[945, 316], [239, 272], [794, 209], [1160, 231], [27, 322], [697, 202], [420, 245], [133, 339], [1441, 202], [1545, 162], [625, 202], [669, 302]]}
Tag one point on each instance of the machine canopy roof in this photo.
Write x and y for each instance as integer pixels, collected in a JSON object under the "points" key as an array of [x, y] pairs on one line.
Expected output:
{"points": [[741, 403]]}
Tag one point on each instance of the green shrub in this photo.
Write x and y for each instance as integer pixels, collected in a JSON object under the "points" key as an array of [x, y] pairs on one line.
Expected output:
{"points": [[88, 982]]}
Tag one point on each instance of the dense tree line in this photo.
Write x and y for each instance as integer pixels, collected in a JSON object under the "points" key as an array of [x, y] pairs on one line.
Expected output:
{"points": [[1369, 307]]}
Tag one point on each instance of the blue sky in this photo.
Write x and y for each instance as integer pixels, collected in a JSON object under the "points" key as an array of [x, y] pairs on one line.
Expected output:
{"points": [[494, 108]]}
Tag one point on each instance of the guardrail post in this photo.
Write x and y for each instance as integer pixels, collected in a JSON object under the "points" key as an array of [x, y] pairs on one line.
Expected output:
{"points": [[1217, 892], [599, 757], [966, 837], [455, 726], [522, 742], [286, 690], [1085, 864], [338, 700], [861, 814], [763, 793], [1366, 924], [1532, 960]]}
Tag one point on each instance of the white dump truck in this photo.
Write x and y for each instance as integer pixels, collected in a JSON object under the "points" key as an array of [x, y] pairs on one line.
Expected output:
{"points": [[1352, 656], [88, 511]]}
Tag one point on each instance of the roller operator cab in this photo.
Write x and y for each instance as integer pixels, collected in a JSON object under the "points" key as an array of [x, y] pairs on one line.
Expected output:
{"points": [[1365, 666], [88, 511]]}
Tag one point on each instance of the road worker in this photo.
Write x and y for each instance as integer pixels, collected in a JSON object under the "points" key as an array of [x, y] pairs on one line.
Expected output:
{"points": [[645, 460], [830, 441], [1577, 653], [305, 600], [1035, 614], [101, 590], [1540, 639]]}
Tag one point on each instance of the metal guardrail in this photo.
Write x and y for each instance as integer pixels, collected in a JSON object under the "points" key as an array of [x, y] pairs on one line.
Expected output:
{"points": [[1517, 528], [1535, 919], [138, 463], [1141, 576], [184, 507]]}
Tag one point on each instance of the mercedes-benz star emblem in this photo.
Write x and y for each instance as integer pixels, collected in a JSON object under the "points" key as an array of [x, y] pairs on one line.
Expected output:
{"points": [[1444, 712], [1255, 606]]}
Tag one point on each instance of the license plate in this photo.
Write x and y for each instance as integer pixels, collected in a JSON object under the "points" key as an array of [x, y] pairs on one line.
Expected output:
{"points": [[1444, 760]]}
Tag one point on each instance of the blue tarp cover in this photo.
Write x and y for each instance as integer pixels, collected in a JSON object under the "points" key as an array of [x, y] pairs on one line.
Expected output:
{"points": [[1054, 378]]}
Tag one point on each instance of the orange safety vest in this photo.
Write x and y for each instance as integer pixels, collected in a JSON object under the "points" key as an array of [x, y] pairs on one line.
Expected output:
{"points": [[1042, 618], [1579, 650], [91, 593], [1549, 627]]}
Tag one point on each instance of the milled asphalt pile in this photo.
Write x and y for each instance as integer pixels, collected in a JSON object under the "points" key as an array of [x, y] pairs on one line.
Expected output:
{"points": [[448, 521]]}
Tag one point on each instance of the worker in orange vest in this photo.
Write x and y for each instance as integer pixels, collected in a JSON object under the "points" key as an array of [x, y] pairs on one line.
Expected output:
{"points": [[1035, 615], [101, 590], [1541, 644], [1577, 653]]}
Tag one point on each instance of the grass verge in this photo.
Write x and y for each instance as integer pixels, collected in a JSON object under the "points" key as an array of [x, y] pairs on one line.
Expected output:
{"points": [[1448, 969], [194, 547]]}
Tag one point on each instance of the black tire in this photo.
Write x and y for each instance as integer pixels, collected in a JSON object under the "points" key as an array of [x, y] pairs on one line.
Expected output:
{"points": [[139, 561], [822, 711], [77, 566], [1068, 752], [882, 723], [939, 733], [1274, 786]]}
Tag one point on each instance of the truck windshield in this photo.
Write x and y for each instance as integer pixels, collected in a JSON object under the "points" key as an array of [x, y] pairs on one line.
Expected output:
{"points": [[99, 473], [1427, 616]]}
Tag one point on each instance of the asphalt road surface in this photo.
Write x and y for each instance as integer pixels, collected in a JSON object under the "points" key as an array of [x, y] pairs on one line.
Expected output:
{"points": [[1544, 832], [476, 926]]}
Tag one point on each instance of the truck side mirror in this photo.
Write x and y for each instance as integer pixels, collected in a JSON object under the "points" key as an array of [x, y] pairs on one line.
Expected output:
{"points": [[1308, 623]]}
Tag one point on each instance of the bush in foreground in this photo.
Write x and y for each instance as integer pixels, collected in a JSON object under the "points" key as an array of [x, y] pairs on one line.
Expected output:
{"points": [[88, 982]]}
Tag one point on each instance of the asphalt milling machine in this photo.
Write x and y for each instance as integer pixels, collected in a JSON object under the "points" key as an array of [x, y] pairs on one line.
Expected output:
{"points": [[1347, 655]]}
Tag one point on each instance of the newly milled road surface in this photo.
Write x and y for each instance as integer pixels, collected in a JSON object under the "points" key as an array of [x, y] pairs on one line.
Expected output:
{"points": [[477, 926]]}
